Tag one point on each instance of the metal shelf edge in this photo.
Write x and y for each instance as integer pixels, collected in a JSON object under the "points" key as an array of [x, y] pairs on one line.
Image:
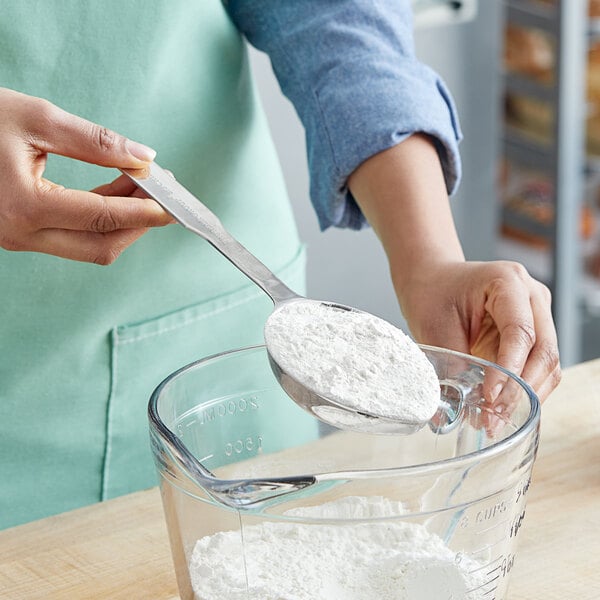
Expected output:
{"points": [[530, 15]]}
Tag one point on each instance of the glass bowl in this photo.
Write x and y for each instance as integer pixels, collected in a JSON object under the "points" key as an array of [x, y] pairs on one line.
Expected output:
{"points": [[264, 501]]}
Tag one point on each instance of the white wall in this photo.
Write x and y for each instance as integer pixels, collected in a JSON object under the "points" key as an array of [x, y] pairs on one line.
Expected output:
{"points": [[350, 267]]}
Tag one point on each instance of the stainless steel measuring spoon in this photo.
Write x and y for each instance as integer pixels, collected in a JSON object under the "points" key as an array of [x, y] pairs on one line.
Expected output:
{"points": [[195, 216]]}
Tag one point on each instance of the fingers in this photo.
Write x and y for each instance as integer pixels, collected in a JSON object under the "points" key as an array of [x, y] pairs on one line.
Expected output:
{"points": [[527, 345], [547, 387], [79, 225], [37, 215], [85, 246], [124, 186], [542, 370], [53, 130], [88, 211], [121, 186], [510, 307]]}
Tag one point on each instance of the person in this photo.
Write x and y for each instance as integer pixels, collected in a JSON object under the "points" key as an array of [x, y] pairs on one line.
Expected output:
{"points": [[83, 346]]}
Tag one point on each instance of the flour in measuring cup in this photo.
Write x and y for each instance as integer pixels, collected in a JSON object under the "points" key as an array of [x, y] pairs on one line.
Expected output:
{"points": [[377, 560], [354, 359]]}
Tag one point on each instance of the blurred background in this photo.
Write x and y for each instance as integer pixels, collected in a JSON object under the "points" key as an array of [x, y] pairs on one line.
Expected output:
{"points": [[525, 75]]}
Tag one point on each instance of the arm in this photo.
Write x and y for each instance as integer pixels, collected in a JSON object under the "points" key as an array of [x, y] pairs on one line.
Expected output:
{"points": [[494, 310], [382, 137], [350, 69]]}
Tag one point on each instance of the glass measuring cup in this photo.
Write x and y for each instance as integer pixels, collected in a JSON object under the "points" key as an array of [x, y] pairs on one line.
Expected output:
{"points": [[235, 458]]}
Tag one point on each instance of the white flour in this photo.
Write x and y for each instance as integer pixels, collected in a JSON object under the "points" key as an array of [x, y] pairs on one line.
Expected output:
{"points": [[375, 560], [355, 359]]}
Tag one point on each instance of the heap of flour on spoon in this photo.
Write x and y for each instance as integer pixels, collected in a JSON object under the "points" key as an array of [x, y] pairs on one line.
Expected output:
{"points": [[355, 359]]}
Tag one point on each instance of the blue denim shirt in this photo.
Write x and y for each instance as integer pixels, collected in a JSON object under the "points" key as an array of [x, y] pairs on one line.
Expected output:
{"points": [[349, 67]]}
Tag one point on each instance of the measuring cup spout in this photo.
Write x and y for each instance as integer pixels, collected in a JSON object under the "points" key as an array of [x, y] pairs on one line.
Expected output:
{"points": [[257, 493], [173, 459]]}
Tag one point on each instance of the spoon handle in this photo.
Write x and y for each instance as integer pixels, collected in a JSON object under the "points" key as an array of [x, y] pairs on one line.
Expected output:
{"points": [[195, 216]]}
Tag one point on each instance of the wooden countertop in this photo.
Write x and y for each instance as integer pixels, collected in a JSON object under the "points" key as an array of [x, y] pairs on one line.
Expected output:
{"points": [[119, 550]]}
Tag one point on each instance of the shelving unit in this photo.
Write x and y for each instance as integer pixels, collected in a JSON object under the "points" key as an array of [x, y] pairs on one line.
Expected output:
{"points": [[562, 158]]}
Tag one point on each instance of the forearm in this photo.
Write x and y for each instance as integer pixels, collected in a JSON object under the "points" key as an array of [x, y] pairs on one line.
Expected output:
{"points": [[351, 71], [402, 193]]}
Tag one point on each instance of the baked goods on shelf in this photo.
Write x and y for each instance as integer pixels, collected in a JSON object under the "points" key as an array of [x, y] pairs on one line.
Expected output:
{"points": [[528, 207], [528, 52], [528, 196]]}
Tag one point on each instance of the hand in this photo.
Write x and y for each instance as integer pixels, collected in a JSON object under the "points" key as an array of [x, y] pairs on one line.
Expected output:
{"points": [[41, 216], [494, 310]]}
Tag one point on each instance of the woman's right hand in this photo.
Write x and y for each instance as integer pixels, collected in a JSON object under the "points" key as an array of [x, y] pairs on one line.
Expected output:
{"points": [[40, 216]]}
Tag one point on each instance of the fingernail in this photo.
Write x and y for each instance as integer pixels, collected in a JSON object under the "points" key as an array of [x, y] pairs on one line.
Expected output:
{"points": [[140, 151]]}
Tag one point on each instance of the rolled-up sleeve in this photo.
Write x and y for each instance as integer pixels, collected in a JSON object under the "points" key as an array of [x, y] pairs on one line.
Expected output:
{"points": [[349, 68]]}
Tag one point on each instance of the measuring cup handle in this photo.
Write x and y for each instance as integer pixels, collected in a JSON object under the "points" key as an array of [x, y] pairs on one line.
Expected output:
{"points": [[455, 390]]}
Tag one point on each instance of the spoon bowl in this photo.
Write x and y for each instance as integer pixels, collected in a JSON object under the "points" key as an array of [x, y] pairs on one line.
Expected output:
{"points": [[347, 409]]}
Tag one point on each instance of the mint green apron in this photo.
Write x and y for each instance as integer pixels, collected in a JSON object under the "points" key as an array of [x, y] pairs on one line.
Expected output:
{"points": [[83, 346]]}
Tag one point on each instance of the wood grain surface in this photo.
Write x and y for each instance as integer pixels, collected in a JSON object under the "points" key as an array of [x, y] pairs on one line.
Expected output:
{"points": [[114, 550], [559, 547]]}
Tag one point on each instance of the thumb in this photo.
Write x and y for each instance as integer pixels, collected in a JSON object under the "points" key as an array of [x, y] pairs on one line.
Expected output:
{"points": [[59, 132]]}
